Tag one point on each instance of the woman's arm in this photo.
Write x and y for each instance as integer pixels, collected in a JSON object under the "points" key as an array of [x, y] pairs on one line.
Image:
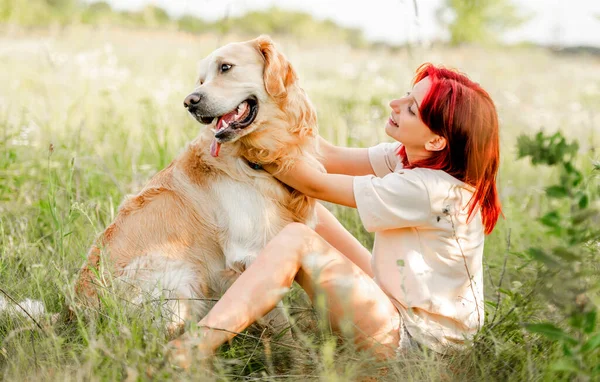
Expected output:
{"points": [[345, 160], [330, 229], [334, 188]]}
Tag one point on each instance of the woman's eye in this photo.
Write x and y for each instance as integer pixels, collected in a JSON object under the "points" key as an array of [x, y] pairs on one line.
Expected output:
{"points": [[410, 110], [225, 67]]}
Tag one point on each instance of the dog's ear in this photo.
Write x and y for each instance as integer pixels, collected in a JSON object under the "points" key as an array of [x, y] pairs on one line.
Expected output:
{"points": [[278, 73]]}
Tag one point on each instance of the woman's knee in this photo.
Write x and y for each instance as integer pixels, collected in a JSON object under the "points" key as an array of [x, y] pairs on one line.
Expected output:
{"points": [[294, 235], [285, 250], [293, 241], [287, 242], [297, 229]]}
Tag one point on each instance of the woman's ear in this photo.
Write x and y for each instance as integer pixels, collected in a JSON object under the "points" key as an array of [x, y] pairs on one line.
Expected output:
{"points": [[278, 73], [437, 143]]}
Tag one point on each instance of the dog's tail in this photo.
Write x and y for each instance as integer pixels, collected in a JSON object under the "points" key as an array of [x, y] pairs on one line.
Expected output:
{"points": [[33, 310]]}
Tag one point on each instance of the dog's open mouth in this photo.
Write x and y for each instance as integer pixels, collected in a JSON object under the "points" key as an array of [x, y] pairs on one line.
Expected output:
{"points": [[229, 125]]}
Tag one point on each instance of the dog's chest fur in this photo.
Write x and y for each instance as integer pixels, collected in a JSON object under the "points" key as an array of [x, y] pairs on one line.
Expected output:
{"points": [[248, 206], [248, 220]]}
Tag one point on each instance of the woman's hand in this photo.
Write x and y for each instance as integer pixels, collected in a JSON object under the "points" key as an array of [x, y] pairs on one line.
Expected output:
{"points": [[334, 188]]}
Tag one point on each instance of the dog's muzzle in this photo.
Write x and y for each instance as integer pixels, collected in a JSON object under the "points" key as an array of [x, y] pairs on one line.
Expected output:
{"points": [[192, 100], [191, 103], [230, 125]]}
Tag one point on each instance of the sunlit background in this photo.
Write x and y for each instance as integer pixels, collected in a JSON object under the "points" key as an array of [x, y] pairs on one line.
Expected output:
{"points": [[91, 107], [548, 22]]}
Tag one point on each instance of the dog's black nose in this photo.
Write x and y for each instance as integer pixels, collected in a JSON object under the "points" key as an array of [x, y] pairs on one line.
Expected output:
{"points": [[192, 99]]}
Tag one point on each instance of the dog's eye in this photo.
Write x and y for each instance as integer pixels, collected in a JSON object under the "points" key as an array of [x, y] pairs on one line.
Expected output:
{"points": [[225, 67]]}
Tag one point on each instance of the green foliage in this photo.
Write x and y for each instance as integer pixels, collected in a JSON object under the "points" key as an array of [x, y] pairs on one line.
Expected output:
{"points": [[36, 12], [274, 21], [568, 265], [96, 13], [550, 150], [478, 21], [193, 24], [149, 17], [280, 22]]}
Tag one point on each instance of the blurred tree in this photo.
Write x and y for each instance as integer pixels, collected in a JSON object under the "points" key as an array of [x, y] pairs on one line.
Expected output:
{"points": [[149, 16], [274, 21], [99, 7], [61, 4], [29, 13], [479, 21], [192, 24], [154, 16], [277, 21], [97, 13]]}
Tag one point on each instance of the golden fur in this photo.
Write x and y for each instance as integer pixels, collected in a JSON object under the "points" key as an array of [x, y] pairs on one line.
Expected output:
{"points": [[202, 220]]}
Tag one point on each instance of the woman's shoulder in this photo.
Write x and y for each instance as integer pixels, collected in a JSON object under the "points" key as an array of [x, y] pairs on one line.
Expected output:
{"points": [[447, 194], [439, 178]]}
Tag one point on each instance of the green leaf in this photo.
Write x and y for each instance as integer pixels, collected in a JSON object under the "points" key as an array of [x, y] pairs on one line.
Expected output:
{"points": [[551, 332], [576, 320], [551, 219], [584, 201], [591, 344], [400, 262], [589, 323], [569, 168], [565, 364], [557, 192], [578, 178], [565, 254]]}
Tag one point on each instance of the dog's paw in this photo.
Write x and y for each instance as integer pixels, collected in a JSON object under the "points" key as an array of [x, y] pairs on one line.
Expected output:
{"points": [[179, 354], [187, 350]]}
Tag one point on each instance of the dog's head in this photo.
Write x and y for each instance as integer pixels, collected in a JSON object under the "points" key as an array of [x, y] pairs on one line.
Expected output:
{"points": [[249, 90]]}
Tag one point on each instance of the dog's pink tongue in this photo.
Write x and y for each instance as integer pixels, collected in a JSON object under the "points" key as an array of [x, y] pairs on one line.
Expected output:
{"points": [[215, 147], [228, 118]]}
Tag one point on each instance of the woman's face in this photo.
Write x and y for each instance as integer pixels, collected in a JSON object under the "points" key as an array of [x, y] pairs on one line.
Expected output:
{"points": [[405, 124]]}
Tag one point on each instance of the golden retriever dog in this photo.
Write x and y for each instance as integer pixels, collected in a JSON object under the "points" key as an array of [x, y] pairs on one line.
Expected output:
{"points": [[202, 220]]}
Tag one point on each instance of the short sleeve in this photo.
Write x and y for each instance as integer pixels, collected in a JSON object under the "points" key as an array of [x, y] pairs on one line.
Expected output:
{"points": [[398, 200], [384, 158]]}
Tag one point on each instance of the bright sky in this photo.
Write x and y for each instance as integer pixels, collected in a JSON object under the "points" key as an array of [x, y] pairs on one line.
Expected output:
{"points": [[568, 22]]}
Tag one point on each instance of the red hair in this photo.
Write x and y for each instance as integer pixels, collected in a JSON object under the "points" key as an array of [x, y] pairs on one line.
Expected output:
{"points": [[459, 110]]}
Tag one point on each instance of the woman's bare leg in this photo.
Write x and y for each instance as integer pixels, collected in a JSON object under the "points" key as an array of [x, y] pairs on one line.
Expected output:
{"points": [[299, 253]]}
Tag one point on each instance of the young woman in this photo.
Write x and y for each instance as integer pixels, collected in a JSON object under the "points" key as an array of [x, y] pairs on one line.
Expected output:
{"points": [[429, 198]]}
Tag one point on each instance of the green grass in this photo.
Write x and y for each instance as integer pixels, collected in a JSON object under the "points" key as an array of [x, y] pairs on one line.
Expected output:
{"points": [[89, 115]]}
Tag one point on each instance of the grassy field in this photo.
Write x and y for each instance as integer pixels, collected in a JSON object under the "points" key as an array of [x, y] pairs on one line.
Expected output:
{"points": [[89, 115]]}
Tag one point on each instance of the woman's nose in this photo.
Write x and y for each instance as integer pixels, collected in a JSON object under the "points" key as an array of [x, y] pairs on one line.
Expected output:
{"points": [[395, 104]]}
